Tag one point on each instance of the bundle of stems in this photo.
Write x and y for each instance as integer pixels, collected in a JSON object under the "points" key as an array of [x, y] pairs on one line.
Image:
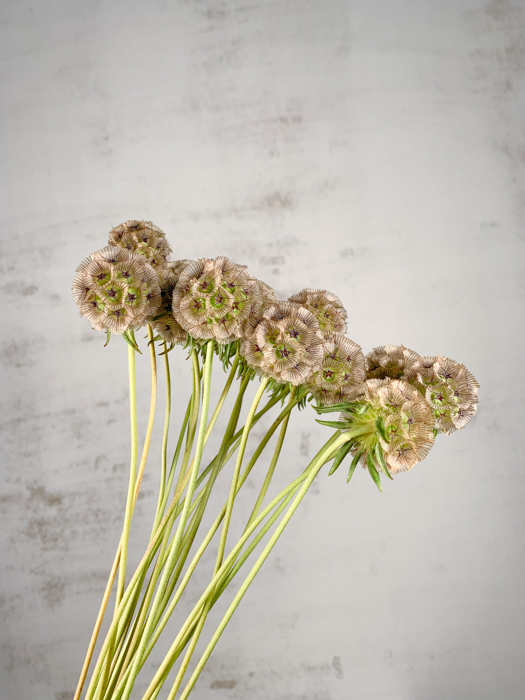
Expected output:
{"points": [[392, 404]]}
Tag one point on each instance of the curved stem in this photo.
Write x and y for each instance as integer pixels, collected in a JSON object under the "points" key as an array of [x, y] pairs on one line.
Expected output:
{"points": [[223, 571], [318, 464], [224, 534], [184, 515]]}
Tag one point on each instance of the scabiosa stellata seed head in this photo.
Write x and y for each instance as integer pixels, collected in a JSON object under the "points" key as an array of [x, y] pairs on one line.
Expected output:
{"points": [[213, 299], [285, 344], [449, 388], [343, 367], [406, 433], [164, 322], [116, 290], [325, 306], [143, 238], [389, 361]]}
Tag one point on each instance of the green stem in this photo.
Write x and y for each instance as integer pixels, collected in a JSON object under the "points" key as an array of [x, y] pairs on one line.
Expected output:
{"points": [[164, 454], [183, 518], [224, 570], [255, 569], [224, 534]]}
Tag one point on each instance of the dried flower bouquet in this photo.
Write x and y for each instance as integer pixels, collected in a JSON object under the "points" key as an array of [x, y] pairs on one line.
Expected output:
{"points": [[392, 404]]}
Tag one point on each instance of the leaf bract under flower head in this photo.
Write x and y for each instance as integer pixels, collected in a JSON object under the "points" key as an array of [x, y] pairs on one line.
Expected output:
{"points": [[389, 418]]}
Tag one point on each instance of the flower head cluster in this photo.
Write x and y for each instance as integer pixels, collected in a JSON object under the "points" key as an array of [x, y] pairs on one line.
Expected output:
{"points": [[343, 367], [164, 322], [215, 298], [116, 290], [285, 344], [143, 238], [392, 414], [449, 388], [392, 361], [325, 306]]}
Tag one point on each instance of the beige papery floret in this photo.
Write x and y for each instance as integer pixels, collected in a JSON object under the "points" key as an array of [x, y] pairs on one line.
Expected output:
{"points": [[325, 306], [214, 299], [406, 416], [389, 361], [116, 290], [164, 322], [143, 238], [343, 367], [285, 344], [449, 388]]}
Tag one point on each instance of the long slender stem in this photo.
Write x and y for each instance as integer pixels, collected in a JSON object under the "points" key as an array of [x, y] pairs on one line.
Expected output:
{"points": [[273, 463], [260, 561], [184, 515], [164, 453], [224, 570], [224, 534]]}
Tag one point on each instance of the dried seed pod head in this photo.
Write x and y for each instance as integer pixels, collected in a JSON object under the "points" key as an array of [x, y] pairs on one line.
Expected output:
{"points": [[343, 368], [267, 293], [325, 306], [406, 418], [393, 361], [215, 298], [143, 238], [449, 388], [116, 290], [285, 344], [164, 322]]}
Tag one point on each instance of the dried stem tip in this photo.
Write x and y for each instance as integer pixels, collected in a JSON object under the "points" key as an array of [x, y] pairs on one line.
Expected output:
{"points": [[116, 290]]}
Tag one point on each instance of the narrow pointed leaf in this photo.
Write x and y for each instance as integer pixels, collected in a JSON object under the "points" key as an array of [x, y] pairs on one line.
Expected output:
{"points": [[382, 430], [129, 337], [373, 471], [108, 336], [380, 459], [355, 460], [338, 425], [345, 449]]}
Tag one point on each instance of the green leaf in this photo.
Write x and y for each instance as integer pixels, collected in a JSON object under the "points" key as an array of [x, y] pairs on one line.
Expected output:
{"points": [[373, 471], [334, 408], [355, 460], [380, 459], [345, 449], [435, 432], [108, 336], [129, 337], [382, 430], [338, 425]]}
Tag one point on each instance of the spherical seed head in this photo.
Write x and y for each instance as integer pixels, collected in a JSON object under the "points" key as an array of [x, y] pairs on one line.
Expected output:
{"points": [[116, 290], [325, 306], [285, 344], [450, 390], [343, 367], [143, 238], [406, 417], [214, 299], [393, 361], [164, 322]]}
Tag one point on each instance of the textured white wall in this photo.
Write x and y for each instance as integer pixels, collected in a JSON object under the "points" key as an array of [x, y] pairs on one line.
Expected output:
{"points": [[373, 148]]}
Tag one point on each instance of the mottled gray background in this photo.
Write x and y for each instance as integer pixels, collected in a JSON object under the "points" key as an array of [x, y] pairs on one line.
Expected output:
{"points": [[372, 147]]}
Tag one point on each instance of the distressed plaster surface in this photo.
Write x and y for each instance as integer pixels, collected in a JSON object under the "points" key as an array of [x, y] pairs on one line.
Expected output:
{"points": [[373, 148]]}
